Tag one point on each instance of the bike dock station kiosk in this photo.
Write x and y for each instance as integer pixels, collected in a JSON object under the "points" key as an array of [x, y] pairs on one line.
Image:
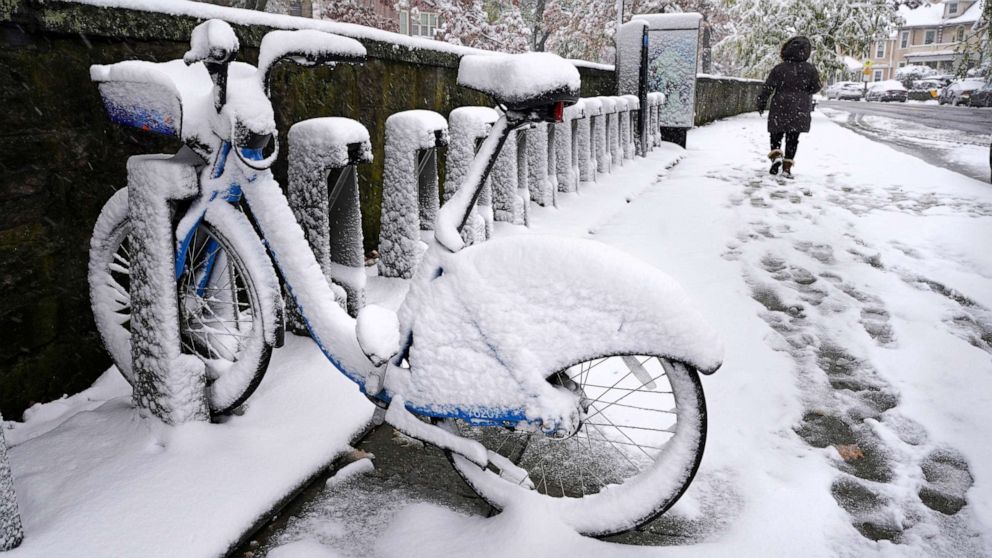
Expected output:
{"points": [[657, 53], [410, 193], [324, 154]]}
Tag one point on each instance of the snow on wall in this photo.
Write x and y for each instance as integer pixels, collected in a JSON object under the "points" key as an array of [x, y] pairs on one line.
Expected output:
{"points": [[168, 384], [318, 150], [403, 203], [11, 530]]}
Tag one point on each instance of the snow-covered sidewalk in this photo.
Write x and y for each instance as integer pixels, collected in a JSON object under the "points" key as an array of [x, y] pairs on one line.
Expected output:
{"points": [[94, 479], [851, 417], [853, 412]]}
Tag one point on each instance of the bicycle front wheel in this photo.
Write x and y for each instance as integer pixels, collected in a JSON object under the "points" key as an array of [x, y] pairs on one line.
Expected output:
{"points": [[218, 297], [633, 457]]}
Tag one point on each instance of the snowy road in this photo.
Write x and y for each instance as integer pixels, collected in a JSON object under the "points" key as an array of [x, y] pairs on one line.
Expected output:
{"points": [[851, 417], [956, 138]]}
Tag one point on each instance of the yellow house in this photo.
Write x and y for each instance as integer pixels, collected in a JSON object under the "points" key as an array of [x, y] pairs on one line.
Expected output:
{"points": [[931, 35]]}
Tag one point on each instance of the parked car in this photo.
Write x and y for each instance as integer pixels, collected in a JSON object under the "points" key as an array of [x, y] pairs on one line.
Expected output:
{"points": [[884, 91], [925, 90], [959, 92], [844, 90], [944, 80], [982, 97]]}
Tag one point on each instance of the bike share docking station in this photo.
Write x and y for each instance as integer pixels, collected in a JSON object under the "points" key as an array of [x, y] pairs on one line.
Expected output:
{"points": [[324, 154], [169, 384], [657, 54]]}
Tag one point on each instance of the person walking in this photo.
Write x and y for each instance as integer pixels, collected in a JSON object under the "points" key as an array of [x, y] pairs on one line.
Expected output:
{"points": [[790, 85]]}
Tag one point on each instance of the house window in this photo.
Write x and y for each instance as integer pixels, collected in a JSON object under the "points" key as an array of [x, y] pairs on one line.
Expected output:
{"points": [[877, 76], [952, 8], [424, 25], [880, 49], [960, 34], [404, 22], [296, 8], [929, 37], [904, 39]]}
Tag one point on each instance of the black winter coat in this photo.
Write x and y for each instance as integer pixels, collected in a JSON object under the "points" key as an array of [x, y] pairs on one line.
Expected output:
{"points": [[791, 85]]}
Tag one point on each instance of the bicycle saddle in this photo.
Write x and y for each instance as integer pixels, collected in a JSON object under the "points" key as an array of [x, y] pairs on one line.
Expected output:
{"points": [[521, 81]]}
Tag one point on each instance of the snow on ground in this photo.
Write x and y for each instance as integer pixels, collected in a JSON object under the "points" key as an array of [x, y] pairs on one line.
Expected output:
{"points": [[852, 413], [959, 150], [93, 478]]}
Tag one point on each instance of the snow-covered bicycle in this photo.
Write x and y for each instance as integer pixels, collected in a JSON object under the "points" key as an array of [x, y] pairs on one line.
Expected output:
{"points": [[550, 368]]}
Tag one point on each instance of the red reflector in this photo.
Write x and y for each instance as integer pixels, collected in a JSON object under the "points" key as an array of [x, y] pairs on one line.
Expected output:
{"points": [[560, 111]]}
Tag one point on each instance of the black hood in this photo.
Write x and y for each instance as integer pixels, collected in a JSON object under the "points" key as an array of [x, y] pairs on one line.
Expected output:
{"points": [[797, 49]]}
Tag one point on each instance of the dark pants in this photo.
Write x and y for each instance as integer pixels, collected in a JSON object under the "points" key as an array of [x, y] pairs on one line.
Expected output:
{"points": [[791, 143]]}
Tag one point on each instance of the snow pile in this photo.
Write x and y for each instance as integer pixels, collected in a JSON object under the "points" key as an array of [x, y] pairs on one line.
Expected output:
{"points": [[408, 205], [525, 529], [378, 333], [210, 38], [94, 478], [517, 78], [497, 320]]}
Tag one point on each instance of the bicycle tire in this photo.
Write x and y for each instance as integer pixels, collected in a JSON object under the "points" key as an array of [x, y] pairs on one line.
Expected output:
{"points": [[622, 502], [109, 263]]}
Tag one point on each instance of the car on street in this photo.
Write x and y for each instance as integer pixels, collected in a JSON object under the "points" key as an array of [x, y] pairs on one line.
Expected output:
{"points": [[982, 97], [959, 92], [844, 90], [884, 91], [925, 90]]}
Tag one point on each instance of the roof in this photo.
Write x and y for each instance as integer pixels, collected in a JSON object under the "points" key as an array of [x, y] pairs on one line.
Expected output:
{"points": [[925, 15], [971, 15], [932, 15]]}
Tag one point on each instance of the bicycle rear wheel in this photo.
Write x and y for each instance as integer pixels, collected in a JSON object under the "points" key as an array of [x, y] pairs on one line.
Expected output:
{"points": [[218, 297], [635, 454]]}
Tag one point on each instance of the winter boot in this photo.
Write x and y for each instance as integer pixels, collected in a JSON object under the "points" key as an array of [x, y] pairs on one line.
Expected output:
{"points": [[787, 168], [775, 156]]}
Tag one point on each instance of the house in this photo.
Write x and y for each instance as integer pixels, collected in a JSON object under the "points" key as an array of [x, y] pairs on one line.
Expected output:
{"points": [[933, 34], [423, 23]]}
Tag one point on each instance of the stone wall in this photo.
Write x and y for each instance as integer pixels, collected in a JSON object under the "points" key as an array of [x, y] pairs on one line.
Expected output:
{"points": [[719, 97], [60, 158]]}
